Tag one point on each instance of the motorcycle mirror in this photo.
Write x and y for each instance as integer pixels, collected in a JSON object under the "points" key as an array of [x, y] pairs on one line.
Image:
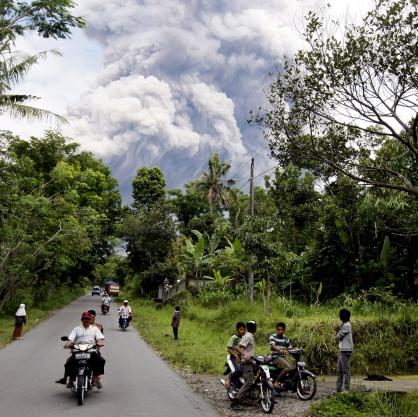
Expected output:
{"points": [[64, 338]]}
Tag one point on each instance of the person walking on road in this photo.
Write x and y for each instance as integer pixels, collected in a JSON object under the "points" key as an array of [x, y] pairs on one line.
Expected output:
{"points": [[175, 322], [345, 345], [20, 320]]}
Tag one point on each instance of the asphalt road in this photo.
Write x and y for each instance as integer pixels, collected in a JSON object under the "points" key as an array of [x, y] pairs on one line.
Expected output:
{"points": [[137, 383]]}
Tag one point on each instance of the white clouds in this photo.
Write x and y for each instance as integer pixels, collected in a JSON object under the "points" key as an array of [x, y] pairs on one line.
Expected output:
{"points": [[177, 79]]}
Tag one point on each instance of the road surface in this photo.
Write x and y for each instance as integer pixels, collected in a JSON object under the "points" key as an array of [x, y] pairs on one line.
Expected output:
{"points": [[137, 383]]}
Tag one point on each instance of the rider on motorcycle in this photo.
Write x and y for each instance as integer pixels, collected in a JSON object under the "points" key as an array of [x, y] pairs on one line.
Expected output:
{"points": [[125, 308], [246, 349], [234, 358], [86, 333], [279, 344], [94, 322], [106, 298]]}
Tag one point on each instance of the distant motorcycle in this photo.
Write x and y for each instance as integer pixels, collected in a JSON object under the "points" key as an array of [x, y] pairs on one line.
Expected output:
{"points": [[83, 382], [300, 380], [105, 308], [124, 321], [262, 388]]}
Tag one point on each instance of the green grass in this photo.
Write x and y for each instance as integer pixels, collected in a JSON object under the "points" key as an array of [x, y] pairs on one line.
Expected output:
{"points": [[367, 405], [36, 314], [204, 331]]}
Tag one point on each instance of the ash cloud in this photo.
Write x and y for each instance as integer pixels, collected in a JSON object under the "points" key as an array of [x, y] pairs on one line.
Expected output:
{"points": [[178, 81]]}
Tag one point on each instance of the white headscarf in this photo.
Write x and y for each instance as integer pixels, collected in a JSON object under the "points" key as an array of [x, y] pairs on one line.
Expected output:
{"points": [[21, 310]]}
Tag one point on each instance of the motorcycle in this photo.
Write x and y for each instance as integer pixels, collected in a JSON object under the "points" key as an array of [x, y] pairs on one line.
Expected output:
{"points": [[299, 380], [105, 308], [83, 380], [262, 388], [124, 321]]}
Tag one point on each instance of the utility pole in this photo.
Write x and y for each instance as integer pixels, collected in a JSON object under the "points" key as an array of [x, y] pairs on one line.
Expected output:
{"points": [[250, 271]]}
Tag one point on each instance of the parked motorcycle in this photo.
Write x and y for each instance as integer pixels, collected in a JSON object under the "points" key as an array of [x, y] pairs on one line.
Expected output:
{"points": [[262, 388], [299, 380], [83, 382], [105, 308], [124, 321]]}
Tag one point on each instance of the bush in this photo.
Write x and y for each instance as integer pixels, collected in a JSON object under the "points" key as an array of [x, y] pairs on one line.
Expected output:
{"points": [[390, 404]]}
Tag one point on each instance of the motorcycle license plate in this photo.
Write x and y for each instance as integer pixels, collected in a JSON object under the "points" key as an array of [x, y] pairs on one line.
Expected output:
{"points": [[82, 355]]}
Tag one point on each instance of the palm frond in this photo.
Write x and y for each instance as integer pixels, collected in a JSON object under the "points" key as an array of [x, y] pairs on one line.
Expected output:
{"points": [[23, 111]]}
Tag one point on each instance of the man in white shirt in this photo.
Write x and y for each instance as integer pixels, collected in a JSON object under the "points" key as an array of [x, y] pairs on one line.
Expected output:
{"points": [[86, 333], [125, 308]]}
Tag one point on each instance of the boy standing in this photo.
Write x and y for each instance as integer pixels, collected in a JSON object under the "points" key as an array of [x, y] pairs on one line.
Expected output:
{"points": [[345, 344], [175, 322]]}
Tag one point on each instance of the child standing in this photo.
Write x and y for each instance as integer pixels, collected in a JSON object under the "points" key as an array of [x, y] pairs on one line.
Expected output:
{"points": [[175, 322], [345, 345]]}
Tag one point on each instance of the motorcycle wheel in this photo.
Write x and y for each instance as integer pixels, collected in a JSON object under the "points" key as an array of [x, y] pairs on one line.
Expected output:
{"points": [[306, 387], [267, 400], [80, 389]]}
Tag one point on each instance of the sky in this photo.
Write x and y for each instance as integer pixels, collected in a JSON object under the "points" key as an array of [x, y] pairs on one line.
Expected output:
{"points": [[167, 82]]}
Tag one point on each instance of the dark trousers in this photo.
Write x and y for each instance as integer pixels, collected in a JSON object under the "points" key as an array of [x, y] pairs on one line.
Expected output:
{"points": [[96, 363], [343, 371], [248, 374], [176, 332], [235, 370]]}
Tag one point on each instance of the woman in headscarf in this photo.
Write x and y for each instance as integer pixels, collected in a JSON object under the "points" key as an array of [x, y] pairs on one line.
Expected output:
{"points": [[20, 321]]}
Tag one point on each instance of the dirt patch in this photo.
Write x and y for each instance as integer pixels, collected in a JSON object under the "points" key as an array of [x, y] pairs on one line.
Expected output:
{"points": [[287, 404]]}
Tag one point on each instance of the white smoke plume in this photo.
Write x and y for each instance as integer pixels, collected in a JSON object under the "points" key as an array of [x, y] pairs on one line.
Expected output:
{"points": [[179, 79]]}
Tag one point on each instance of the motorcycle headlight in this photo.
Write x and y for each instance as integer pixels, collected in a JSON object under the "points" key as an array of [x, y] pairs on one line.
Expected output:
{"points": [[301, 364]]}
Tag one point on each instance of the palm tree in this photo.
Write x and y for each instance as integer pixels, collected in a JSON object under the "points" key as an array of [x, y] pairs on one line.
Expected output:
{"points": [[13, 67], [213, 182]]}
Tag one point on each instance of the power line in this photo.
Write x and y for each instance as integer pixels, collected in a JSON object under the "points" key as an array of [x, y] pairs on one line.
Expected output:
{"points": [[256, 176]]}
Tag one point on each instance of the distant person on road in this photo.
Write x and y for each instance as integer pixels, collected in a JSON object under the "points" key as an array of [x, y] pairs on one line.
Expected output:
{"points": [[20, 320], [279, 345], [175, 322], [246, 349], [234, 357], [106, 299], [125, 308], [345, 345], [94, 322], [86, 333]]}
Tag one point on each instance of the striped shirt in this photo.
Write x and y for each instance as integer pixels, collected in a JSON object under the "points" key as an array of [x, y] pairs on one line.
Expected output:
{"points": [[280, 342]]}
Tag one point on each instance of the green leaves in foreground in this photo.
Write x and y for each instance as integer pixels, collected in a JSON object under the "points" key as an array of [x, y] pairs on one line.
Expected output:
{"points": [[389, 404]]}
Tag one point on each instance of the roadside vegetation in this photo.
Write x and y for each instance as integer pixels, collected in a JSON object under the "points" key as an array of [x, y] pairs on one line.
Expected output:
{"points": [[35, 314], [205, 329], [390, 404]]}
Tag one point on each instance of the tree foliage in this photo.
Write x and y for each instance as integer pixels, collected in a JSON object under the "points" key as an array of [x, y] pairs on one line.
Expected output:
{"points": [[347, 105], [58, 209]]}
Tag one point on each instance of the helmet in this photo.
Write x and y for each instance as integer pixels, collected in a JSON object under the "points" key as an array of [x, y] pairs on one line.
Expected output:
{"points": [[93, 313], [87, 315], [125, 302]]}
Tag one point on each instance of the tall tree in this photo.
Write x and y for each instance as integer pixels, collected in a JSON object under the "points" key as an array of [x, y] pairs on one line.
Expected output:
{"points": [[148, 187], [339, 103], [214, 184]]}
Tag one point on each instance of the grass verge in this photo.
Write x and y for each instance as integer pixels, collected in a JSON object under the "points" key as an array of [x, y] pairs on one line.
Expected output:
{"points": [[204, 332], [36, 314], [389, 404]]}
